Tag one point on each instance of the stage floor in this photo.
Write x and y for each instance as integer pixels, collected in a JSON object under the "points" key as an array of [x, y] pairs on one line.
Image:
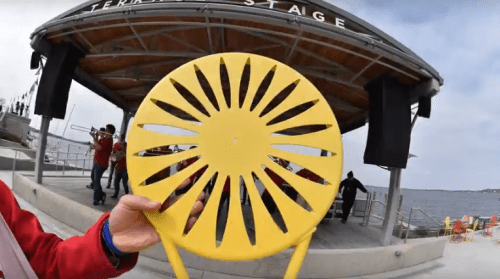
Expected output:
{"points": [[330, 234]]}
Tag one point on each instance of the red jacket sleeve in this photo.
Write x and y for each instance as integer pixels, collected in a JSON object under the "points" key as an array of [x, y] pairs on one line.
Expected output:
{"points": [[52, 257]]}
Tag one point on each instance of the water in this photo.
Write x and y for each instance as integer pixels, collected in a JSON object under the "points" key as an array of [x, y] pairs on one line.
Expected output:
{"points": [[77, 151], [439, 204]]}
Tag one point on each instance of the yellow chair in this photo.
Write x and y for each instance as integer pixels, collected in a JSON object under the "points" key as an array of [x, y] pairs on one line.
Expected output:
{"points": [[469, 235], [447, 229], [235, 139]]}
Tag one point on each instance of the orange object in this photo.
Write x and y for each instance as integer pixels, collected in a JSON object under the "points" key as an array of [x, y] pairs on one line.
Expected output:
{"points": [[457, 231], [489, 228]]}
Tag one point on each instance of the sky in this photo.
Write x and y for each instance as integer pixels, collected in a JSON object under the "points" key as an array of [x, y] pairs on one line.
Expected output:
{"points": [[457, 148]]}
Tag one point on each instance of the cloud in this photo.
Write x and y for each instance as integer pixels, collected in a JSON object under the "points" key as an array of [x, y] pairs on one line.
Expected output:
{"points": [[458, 147]]}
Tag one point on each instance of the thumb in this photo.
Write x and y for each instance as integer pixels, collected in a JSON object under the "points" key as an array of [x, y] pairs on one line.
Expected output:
{"points": [[137, 203]]}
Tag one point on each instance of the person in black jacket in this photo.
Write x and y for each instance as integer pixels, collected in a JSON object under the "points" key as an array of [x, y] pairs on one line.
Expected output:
{"points": [[350, 186]]}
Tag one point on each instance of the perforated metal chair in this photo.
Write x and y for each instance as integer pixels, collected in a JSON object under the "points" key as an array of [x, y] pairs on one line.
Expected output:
{"points": [[489, 227], [447, 229], [236, 126]]}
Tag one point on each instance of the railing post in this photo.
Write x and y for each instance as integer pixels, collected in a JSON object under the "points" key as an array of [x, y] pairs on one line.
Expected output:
{"points": [[57, 159], [371, 210], [67, 154], [64, 166], [409, 223], [14, 168], [83, 168], [401, 227]]}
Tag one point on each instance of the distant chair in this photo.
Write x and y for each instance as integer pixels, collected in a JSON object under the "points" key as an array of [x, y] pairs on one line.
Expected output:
{"points": [[457, 232], [466, 221], [447, 229], [489, 227], [469, 235]]}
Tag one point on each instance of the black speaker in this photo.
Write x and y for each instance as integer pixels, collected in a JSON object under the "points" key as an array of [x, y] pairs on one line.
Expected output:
{"points": [[424, 106], [389, 127], [53, 90], [35, 60]]}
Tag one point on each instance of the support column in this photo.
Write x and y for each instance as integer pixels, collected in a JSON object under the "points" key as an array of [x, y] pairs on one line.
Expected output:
{"points": [[125, 120], [42, 144], [392, 206]]}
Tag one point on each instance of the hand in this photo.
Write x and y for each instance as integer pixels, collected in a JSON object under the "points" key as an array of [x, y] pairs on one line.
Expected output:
{"points": [[131, 230]]}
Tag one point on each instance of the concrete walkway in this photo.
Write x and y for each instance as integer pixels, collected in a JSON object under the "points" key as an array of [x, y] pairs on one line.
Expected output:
{"points": [[477, 259]]}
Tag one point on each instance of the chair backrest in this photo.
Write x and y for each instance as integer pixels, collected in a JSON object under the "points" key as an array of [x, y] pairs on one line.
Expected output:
{"points": [[457, 226], [447, 222], [475, 224], [246, 131], [493, 220]]}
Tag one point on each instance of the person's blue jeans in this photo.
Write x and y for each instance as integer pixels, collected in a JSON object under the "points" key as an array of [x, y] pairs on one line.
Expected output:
{"points": [[111, 171], [92, 174], [121, 175], [97, 173]]}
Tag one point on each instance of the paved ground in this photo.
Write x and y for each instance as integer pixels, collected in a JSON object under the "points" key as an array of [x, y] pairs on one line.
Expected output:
{"points": [[479, 259]]}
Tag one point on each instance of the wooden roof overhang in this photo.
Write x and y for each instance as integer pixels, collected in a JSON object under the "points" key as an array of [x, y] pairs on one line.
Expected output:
{"points": [[130, 45]]}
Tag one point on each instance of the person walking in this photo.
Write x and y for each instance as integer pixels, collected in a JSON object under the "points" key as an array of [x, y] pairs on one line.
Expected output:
{"points": [[119, 151], [350, 186]]}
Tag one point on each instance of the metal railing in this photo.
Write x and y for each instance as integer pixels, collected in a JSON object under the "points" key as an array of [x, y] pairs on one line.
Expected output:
{"points": [[423, 212], [17, 150], [368, 213]]}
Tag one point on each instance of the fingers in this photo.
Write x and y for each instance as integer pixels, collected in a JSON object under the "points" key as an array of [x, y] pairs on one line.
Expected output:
{"points": [[143, 203], [139, 203], [190, 223], [197, 208], [185, 183]]}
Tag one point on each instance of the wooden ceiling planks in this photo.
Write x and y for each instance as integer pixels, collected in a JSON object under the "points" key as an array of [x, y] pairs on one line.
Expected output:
{"points": [[324, 61]]}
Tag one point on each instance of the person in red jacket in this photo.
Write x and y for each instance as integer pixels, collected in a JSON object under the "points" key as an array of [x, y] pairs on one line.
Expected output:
{"points": [[119, 152], [307, 174], [226, 192], [266, 197], [108, 249], [103, 148]]}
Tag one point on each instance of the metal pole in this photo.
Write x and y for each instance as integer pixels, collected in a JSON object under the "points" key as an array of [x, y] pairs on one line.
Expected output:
{"points": [[408, 229], [367, 209], [371, 209], [57, 158], [125, 120], [390, 209], [64, 165], [40, 154], [67, 154], [83, 168], [14, 167]]}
